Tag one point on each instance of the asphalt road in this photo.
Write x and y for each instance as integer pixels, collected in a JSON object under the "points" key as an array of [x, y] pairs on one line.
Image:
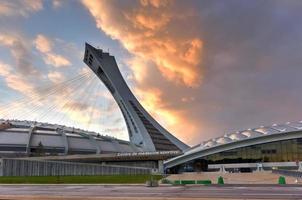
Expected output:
{"points": [[141, 192]]}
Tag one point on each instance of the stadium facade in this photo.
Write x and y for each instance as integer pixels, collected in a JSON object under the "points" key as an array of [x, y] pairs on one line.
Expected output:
{"points": [[258, 148], [276, 146], [25, 138]]}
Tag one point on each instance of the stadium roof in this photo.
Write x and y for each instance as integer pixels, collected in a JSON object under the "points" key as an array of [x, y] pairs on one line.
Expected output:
{"points": [[26, 136], [239, 139]]}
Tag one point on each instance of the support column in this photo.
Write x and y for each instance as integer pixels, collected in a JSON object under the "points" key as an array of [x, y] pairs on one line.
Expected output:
{"points": [[222, 169], [65, 140], [259, 167], [30, 135], [1, 167], [161, 166], [93, 141], [300, 166], [117, 145]]}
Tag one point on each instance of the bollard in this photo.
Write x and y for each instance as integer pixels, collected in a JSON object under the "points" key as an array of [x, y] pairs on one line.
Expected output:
{"points": [[281, 180], [152, 183], [220, 180]]}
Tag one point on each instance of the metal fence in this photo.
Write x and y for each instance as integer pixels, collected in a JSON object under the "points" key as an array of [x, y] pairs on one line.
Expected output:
{"points": [[297, 174], [17, 167]]}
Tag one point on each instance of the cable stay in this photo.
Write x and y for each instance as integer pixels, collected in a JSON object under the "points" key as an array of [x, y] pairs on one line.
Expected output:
{"points": [[73, 103]]}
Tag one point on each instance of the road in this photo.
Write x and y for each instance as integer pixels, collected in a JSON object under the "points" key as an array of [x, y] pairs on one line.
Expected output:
{"points": [[134, 192]]}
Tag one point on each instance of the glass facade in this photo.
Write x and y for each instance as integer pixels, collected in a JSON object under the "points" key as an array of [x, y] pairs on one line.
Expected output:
{"points": [[280, 151]]}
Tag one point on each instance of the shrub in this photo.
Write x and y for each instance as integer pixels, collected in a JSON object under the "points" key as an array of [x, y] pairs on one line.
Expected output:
{"points": [[165, 181], [177, 182], [204, 182], [185, 182]]}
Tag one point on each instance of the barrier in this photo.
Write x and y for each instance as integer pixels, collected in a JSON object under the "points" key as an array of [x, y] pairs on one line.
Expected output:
{"points": [[186, 182], [192, 182], [19, 167], [296, 174], [204, 182]]}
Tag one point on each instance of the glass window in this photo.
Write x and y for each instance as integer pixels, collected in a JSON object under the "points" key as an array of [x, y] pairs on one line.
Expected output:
{"points": [[280, 151], [283, 151]]}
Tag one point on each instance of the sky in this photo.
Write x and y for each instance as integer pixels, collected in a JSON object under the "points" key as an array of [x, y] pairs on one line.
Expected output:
{"points": [[201, 68]]}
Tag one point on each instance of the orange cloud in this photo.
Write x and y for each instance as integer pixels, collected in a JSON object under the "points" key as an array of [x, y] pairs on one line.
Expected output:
{"points": [[45, 45], [143, 29], [176, 121], [56, 60], [4, 69], [56, 77], [19, 7], [15, 81]]}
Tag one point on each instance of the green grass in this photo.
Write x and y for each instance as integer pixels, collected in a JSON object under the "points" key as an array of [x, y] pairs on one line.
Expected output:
{"points": [[107, 179]]}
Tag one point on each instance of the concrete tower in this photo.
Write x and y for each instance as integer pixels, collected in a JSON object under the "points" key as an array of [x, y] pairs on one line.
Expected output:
{"points": [[143, 130]]}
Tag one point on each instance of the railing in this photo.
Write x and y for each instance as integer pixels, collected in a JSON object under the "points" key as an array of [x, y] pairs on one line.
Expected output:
{"points": [[296, 174]]}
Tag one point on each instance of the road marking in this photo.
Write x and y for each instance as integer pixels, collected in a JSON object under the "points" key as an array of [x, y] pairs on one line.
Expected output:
{"points": [[271, 194]]}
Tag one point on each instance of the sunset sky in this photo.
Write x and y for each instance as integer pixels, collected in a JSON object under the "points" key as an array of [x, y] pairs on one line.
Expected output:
{"points": [[202, 68]]}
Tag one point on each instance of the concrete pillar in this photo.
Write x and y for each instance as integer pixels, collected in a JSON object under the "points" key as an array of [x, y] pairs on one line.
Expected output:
{"points": [[30, 135], [1, 167], [161, 166], [300, 166], [222, 169], [259, 167]]}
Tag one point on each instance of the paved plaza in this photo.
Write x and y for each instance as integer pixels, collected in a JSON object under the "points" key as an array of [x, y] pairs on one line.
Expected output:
{"points": [[134, 192], [265, 177]]}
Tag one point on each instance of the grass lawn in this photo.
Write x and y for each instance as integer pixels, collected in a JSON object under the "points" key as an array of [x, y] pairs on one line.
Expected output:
{"points": [[118, 179]]}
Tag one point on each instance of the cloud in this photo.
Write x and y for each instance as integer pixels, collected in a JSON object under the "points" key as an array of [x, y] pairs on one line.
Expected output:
{"points": [[145, 29], [4, 69], [19, 7], [56, 77], [15, 81], [176, 120], [21, 52], [56, 60], [45, 46], [57, 3]]}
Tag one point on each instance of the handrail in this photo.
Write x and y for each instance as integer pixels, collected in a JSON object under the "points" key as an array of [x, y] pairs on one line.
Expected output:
{"points": [[296, 174]]}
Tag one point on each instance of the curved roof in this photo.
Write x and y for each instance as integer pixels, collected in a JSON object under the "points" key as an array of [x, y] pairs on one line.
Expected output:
{"points": [[245, 137], [27, 136], [250, 133]]}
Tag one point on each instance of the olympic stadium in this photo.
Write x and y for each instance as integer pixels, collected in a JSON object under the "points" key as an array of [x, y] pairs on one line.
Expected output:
{"points": [[27, 137], [267, 147]]}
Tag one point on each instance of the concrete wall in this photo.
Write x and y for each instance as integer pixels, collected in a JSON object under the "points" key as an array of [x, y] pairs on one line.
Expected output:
{"points": [[143, 163], [17, 167]]}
